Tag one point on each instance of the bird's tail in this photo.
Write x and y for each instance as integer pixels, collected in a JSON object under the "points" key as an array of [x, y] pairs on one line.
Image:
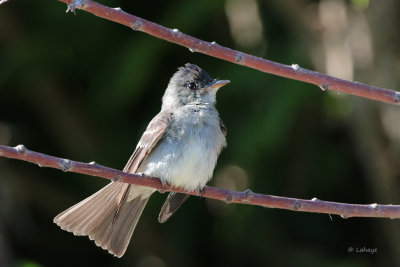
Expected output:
{"points": [[108, 217]]}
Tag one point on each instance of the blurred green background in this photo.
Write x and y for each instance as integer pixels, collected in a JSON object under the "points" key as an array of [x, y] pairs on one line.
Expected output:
{"points": [[80, 87]]}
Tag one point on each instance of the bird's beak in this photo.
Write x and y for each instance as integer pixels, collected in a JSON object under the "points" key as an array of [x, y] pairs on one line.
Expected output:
{"points": [[215, 85]]}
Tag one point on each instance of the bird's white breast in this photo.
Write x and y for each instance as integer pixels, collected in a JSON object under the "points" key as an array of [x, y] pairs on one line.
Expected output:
{"points": [[187, 153]]}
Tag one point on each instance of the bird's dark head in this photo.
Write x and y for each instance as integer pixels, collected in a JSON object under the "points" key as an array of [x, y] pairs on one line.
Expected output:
{"points": [[190, 84]]}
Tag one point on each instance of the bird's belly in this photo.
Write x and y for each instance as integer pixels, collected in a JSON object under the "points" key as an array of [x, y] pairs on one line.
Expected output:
{"points": [[186, 158]]}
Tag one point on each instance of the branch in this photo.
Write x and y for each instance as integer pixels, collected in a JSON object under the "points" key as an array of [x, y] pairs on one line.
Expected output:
{"points": [[246, 197], [325, 82]]}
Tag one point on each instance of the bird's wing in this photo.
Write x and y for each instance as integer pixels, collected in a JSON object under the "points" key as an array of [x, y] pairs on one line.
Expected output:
{"points": [[154, 131]]}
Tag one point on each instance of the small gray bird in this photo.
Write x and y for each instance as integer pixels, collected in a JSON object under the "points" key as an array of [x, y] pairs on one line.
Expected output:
{"points": [[181, 146]]}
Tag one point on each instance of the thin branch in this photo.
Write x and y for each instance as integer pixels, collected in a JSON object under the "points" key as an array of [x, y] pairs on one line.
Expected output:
{"points": [[213, 49], [246, 197]]}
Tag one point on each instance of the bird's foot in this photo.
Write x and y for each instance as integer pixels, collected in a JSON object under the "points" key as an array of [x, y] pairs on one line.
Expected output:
{"points": [[163, 183], [201, 190]]}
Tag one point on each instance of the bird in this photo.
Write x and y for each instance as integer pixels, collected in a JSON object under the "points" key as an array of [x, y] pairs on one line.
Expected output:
{"points": [[180, 145]]}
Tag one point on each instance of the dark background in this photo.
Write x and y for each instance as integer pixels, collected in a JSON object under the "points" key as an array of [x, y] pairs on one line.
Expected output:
{"points": [[80, 87]]}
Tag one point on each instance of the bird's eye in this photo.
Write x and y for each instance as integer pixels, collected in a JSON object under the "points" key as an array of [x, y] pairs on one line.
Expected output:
{"points": [[191, 86]]}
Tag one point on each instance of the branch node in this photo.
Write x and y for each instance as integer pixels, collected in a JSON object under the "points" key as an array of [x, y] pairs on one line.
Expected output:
{"points": [[116, 178], [66, 165], [137, 25], [315, 199], [210, 46], [344, 216], [248, 192], [228, 199], [375, 206], [118, 9], [238, 58], [21, 149], [397, 97], [295, 67], [324, 87], [175, 32], [80, 4], [296, 205], [92, 163], [192, 49]]}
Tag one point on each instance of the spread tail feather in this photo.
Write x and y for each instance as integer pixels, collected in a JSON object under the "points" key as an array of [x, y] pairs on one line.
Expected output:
{"points": [[96, 216]]}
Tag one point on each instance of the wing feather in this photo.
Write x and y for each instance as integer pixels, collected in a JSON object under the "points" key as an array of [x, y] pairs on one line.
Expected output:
{"points": [[154, 132]]}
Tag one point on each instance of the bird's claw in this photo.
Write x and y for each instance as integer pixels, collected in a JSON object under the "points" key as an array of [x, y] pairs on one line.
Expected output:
{"points": [[201, 191], [163, 183]]}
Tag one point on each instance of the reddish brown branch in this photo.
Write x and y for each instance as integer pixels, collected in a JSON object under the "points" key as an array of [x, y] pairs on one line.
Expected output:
{"points": [[245, 197], [213, 49]]}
